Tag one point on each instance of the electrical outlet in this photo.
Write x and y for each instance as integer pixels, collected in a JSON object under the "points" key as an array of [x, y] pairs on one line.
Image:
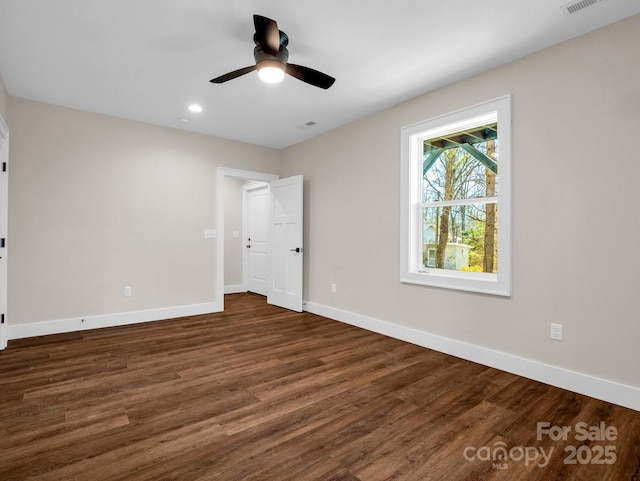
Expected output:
{"points": [[556, 331], [128, 292], [334, 288]]}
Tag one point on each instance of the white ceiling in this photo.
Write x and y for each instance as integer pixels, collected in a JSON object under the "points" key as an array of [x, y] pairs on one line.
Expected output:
{"points": [[147, 60]]}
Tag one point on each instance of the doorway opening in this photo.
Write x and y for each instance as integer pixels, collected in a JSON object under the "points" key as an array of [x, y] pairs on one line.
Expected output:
{"points": [[282, 213], [228, 275]]}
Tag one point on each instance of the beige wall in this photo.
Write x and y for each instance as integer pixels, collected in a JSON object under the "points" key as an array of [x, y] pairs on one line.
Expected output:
{"points": [[99, 203], [233, 248], [576, 109], [4, 99]]}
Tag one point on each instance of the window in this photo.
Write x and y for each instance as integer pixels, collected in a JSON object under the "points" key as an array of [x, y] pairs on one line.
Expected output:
{"points": [[455, 218]]}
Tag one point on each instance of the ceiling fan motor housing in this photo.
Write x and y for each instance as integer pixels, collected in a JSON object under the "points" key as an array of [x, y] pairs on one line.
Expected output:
{"points": [[264, 59]]}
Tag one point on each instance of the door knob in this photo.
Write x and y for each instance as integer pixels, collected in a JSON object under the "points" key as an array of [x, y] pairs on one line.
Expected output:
{"points": [[297, 249], [248, 246]]}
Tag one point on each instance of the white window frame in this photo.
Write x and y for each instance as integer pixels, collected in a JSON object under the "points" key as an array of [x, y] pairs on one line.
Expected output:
{"points": [[412, 137]]}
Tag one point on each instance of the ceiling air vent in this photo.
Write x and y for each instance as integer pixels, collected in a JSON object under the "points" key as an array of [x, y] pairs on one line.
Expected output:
{"points": [[579, 6], [307, 125]]}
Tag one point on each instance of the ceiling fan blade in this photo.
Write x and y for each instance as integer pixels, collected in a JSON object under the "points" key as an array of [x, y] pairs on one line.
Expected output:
{"points": [[232, 75], [267, 34], [310, 76]]}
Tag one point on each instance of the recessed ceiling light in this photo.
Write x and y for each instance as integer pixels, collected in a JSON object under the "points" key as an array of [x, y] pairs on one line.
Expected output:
{"points": [[195, 108]]}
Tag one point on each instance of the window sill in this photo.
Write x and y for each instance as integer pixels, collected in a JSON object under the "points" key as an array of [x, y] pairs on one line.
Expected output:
{"points": [[477, 282]]}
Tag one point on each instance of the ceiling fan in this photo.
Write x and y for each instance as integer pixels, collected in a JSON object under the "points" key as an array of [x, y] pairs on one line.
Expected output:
{"points": [[271, 56]]}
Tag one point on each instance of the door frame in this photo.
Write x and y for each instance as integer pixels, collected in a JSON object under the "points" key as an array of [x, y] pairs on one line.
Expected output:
{"points": [[4, 212], [223, 174]]}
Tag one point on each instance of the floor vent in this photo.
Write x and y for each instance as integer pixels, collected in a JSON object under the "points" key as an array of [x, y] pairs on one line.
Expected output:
{"points": [[579, 6]]}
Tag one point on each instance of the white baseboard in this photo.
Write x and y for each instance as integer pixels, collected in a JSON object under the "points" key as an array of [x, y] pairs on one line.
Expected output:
{"points": [[234, 289], [621, 394], [44, 328]]}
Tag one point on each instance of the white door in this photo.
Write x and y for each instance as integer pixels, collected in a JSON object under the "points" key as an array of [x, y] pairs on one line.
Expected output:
{"points": [[284, 288], [256, 239]]}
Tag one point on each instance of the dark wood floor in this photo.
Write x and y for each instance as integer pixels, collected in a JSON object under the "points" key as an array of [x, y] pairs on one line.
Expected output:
{"points": [[260, 393]]}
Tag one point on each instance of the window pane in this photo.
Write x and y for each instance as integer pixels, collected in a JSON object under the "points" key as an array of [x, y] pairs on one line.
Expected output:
{"points": [[460, 238], [460, 173]]}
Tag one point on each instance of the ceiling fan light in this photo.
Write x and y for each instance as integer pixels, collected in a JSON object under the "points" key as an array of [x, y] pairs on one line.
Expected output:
{"points": [[271, 75]]}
